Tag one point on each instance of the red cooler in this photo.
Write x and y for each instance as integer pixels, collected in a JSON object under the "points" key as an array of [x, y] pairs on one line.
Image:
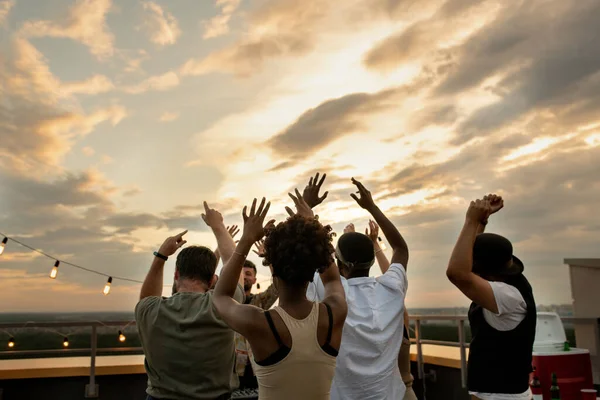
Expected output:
{"points": [[573, 369]]}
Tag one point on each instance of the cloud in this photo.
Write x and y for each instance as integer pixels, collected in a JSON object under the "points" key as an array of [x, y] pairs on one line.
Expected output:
{"points": [[85, 23], [279, 28], [161, 25], [93, 85], [5, 7], [168, 116], [328, 121], [548, 71], [88, 151], [219, 24], [163, 82]]}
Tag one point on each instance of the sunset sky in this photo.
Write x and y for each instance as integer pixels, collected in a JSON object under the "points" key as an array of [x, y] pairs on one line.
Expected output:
{"points": [[118, 118]]}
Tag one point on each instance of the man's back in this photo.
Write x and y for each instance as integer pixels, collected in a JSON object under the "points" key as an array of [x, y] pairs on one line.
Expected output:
{"points": [[367, 364], [190, 352]]}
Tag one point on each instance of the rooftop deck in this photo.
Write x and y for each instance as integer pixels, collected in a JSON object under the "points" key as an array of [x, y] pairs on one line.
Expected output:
{"points": [[438, 366]]}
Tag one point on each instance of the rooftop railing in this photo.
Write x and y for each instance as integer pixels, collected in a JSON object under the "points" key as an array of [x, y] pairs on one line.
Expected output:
{"points": [[91, 390]]}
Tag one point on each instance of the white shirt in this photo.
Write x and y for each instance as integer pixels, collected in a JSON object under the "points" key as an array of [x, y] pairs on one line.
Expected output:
{"points": [[367, 363], [512, 310]]}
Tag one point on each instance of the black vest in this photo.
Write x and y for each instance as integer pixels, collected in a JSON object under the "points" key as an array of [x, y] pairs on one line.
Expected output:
{"points": [[500, 362]]}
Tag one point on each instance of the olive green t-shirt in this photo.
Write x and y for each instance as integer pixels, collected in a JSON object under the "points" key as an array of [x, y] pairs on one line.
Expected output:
{"points": [[190, 352]]}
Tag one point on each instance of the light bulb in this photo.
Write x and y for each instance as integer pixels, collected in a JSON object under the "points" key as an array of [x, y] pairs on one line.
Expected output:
{"points": [[3, 245], [11, 342], [66, 342], [258, 286], [107, 286], [382, 245], [121, 337], [54, 271]]}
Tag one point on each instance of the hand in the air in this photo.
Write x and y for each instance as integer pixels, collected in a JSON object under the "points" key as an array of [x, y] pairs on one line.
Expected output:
{"points": [[365, 200], [349, 228], [172, 244], [302, 208], [211, 216], [311, 191], [253, 222]]}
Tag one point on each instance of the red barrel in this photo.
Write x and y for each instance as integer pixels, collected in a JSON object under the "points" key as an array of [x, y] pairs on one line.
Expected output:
{"points": [[573, 369]]}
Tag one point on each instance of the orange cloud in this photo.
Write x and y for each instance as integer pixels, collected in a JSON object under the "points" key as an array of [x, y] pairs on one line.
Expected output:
{"points": [[162, 82], [160, 24], [219, 24], [85, 23]]}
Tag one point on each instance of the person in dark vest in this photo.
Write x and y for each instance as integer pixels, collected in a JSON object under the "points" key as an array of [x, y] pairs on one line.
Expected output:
{"points": [[503, 312]]}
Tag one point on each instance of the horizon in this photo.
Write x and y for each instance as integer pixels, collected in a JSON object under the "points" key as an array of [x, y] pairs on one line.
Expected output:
{"points": [[119, 118]]}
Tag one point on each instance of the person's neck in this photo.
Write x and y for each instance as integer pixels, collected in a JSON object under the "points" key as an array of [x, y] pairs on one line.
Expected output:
{"points": [[187, 285], [291, 297], [248, 292], [360, 273]]}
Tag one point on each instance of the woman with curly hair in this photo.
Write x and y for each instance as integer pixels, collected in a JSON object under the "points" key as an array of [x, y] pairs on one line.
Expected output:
{"points": [[294, 345]]}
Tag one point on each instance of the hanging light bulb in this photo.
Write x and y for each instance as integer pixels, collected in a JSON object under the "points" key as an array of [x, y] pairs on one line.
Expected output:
{"points": [[382, 245], [121, 337], [258, 286], [107, 286], [54, 271], [3, 245], [11, 342], [66, 342]]}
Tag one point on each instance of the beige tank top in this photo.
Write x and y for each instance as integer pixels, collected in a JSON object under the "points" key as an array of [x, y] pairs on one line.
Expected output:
{"points": [[306, 372]]}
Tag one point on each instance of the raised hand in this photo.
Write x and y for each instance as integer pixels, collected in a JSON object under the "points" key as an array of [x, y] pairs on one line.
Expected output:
{"points": [[172, 244], [311, 191], [302, 208], [349, 228], [496, 202], [479, 211], [253, 222], [260, 248], [365, 200], [211, 216], [233, 231], [372, 231]]}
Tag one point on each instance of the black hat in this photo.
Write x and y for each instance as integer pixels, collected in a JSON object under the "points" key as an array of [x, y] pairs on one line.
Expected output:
{"points": [[493, 255], [355, 250]]}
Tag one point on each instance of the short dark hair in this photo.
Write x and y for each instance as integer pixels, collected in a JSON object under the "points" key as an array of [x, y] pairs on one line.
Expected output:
{"points": [[197, 263], [297, 248], [355, 249], [250, 264]]}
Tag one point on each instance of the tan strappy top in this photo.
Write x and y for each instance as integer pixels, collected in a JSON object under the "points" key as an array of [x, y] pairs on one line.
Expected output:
{"points": [[307, 370]]}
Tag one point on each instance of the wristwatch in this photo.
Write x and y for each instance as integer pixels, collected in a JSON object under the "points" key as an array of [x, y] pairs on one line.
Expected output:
{"points": [[157, 254]]}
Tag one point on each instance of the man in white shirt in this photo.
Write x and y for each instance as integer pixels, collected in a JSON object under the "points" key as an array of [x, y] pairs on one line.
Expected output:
{"points": [[503, 313], [367, 364]]}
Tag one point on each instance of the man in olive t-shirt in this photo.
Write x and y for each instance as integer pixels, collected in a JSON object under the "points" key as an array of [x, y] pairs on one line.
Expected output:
{"points": [[190, 352]]}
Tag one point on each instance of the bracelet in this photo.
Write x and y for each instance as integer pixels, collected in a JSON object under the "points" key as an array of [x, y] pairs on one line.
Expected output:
{"points": [[378, 251], [240, 254], [157, 254]]}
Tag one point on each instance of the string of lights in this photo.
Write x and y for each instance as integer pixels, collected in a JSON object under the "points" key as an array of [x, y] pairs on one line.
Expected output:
{"points": [[58, 262], [12, 341]]}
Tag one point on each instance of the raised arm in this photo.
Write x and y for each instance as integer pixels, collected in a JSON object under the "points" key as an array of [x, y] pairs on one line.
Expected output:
{"points": [[395, 239], [372, 231], [241, 318], [496, 204], [233, 231], [225, 243], [460, 267], [153, 284], [332, 284], [267, 298]]}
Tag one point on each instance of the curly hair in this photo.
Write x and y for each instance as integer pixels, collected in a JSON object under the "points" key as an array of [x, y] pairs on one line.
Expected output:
{"points": [[297, 248]]}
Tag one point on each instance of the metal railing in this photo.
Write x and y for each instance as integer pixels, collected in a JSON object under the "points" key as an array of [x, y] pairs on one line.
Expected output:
{"points": [[462, 343], [91, 390]]}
